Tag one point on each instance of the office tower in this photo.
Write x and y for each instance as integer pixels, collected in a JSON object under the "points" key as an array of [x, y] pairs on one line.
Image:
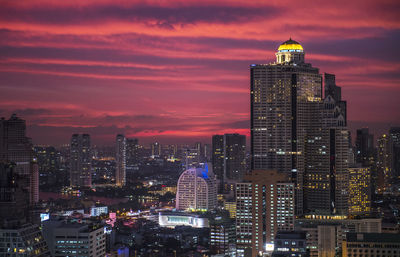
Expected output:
{"points": [[192, 156], [207, 150], [14, 197], [24, 241], [51, 165], [222, 235], [264, 206], [132, 154], [394, 134], [364, 147], [335, 92], [290, 244], [15, 147], [218, 158], [295, 130], [229, 157], [359, 190], [120, 160], [80, 160], [156, 149], [34, 195], [326, 156], [74, 239], [371, 244], [384, 162], [196, 189]]}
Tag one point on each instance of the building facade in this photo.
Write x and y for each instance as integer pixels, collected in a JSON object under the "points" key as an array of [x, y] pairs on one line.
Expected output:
{"points": [[80, 161], [229, 158], [371, 244], [74, 239], [297, 131], [196, 189], [359, 190], [265, 205], [25, 241], [17, 148], [120, 161]]}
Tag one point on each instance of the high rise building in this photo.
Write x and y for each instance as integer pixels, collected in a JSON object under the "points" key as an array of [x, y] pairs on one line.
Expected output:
{"points": [[364, 147], [15, 147], [229, 157], [156, 149], [359, 190], [14, 197], [384, 162], [120, 160], [394, 134], [132, 154], [265, 205], [80, 161], [196, 190], [297, 131], [222, 235]]}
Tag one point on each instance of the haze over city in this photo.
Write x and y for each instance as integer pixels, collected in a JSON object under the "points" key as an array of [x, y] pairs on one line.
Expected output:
{"points": [[178, 71]]}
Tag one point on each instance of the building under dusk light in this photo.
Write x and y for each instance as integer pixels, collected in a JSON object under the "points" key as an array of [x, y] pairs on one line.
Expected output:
{"points": [[196, 190]]}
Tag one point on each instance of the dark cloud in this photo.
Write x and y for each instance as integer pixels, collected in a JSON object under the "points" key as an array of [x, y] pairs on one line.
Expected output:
{"points": [[165, 17]]}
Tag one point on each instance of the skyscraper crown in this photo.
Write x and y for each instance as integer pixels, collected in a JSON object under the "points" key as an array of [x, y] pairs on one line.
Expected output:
{"points": [[290, 46]]}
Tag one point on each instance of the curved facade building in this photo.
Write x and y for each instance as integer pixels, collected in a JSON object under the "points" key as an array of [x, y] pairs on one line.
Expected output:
{"points": [[197, 190]]}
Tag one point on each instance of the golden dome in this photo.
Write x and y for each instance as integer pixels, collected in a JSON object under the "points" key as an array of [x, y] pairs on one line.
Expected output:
{"points": [[290, 46]]}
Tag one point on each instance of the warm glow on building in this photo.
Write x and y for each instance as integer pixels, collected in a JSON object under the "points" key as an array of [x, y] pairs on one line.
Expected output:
{"points": [[359, 191]]}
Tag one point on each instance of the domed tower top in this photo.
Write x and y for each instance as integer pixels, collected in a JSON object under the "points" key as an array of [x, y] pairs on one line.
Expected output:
{"points": [[290, 51]]}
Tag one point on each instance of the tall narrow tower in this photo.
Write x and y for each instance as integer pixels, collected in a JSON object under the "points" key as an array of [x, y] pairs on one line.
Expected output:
{"points": [[120, 173], [285, 96], [296, 131], [80, 160]]}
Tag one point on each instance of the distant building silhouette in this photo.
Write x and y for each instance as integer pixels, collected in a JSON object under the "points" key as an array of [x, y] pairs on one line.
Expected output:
{"points": [[80, 161]]}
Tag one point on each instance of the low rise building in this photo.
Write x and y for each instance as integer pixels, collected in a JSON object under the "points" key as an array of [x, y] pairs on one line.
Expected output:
{"points": [[371, 244], [74, 239], [24, 241]]}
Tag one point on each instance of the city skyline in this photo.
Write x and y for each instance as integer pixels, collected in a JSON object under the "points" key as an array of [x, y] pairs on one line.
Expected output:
{"points": [[178, 71]]}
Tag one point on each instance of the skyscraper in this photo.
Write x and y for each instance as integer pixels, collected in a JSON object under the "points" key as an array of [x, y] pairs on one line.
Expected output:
{"points": [[16, 148], [120, 160], [80, 161], [394, 134], [229, 157], [265, 205], [196, 190], [132, 154], [295, 130], [364, 147], [384, 162], [359, 190]]}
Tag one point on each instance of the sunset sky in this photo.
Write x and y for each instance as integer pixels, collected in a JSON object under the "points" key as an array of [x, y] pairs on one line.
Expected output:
{"points": [[178, 71]]}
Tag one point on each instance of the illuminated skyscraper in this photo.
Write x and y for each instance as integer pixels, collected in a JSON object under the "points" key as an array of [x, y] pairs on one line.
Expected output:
{"points": [[197, 190], [80, 161], [120, 160], [156, 149], [295, 130], [359, 190], [265, 205]]}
